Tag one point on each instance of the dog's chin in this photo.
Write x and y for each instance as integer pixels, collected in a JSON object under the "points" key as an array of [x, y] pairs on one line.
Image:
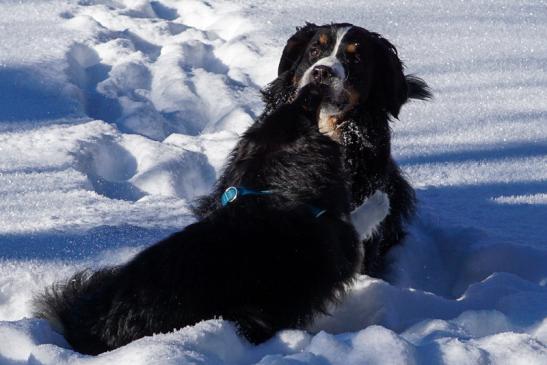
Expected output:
{"points": [[333, 90], [334, 108], [336, 102], [333, 113]]}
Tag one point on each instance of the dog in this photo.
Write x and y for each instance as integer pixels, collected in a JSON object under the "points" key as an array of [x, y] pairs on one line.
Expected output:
{"points": [[274, 246], [367, 89]]}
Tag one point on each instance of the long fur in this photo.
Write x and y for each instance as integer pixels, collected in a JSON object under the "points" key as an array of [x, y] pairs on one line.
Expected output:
{"points": [[365, 135], [264, 261]]}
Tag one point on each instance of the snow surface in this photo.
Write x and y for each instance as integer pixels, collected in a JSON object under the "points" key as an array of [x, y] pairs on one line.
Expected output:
{"points": [[114, 115]]}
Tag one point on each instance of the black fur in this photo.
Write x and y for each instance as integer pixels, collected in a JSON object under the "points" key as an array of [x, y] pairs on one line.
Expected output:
{"points": [[378, 78], [264, 262]]}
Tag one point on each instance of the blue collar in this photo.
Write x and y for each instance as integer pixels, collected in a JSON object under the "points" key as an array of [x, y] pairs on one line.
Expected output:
{"points": [[233, 192]]}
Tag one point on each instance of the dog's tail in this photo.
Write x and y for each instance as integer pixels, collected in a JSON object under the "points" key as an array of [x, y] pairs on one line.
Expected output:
{"points": [[417, 88], [73, 308]]}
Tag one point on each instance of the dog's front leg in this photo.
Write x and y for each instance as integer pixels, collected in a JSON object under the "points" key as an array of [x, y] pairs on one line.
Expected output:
{"points": [[367, 218]]}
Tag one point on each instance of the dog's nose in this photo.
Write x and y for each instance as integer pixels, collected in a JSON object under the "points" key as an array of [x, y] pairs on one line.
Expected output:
{"points": [[321, 73]]}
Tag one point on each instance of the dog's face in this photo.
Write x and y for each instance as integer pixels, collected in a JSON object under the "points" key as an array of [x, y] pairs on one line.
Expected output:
{"points": [[358, 66], [330, 58]]}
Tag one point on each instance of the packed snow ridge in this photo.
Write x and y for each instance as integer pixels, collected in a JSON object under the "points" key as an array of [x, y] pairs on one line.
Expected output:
{"points": [[115, 115]]}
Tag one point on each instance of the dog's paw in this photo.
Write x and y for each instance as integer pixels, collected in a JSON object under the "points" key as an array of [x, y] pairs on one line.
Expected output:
{"points": [[368, 217], [379, 204]]}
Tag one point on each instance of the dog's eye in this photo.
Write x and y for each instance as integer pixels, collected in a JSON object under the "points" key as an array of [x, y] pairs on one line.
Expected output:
{"points": [[315, 52]]}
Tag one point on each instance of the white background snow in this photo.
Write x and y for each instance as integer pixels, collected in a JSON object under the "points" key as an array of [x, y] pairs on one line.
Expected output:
{"points": [[114, 115]]}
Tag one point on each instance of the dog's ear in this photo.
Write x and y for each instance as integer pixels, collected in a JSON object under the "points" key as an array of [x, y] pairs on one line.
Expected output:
{"points": [[417, 88], [390, 88], [281, 89], [295, 47]]}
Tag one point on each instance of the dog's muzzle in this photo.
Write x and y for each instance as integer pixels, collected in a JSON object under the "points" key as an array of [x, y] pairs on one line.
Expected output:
{"points": [[322, 74]]}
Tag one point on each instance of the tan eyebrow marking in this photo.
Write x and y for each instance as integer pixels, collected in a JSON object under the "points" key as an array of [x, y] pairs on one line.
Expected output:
{"points": [[352, 48], [323, 39]]}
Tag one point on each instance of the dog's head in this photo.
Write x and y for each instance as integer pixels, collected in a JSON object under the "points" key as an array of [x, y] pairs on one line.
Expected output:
{"points": [[359, 67]]}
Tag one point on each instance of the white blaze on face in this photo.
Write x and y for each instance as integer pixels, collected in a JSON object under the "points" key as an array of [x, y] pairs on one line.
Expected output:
{"points": [[327, 125], [332, 62]]}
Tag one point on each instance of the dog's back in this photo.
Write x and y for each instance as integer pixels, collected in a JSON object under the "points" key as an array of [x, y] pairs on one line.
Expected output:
{"points": [[285, 152], [265, 261]]}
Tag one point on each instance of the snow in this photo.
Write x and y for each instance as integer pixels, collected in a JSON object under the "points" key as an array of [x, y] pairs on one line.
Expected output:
{"points": [[114, 115]]}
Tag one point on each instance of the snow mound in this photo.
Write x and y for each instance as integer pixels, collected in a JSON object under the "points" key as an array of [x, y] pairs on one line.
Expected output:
{"points": [[216, 342], [95, 176], [157, 69]]}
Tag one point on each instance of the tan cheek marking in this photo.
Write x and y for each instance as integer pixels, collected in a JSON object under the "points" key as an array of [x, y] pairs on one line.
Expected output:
{"points": [[323, 39], [353, 97]]}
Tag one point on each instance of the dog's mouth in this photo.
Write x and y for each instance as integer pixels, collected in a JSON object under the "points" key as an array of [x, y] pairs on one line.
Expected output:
{"points": [[340, 94], [339, 100], [335, 111]]}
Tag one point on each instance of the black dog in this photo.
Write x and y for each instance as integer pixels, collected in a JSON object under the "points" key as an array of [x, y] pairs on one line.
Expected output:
{"points": [[268, 260], [367, 88]]}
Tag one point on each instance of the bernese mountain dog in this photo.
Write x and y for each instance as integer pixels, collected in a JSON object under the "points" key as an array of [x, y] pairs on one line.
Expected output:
{"points": [[367, 89], [273, 246]]}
